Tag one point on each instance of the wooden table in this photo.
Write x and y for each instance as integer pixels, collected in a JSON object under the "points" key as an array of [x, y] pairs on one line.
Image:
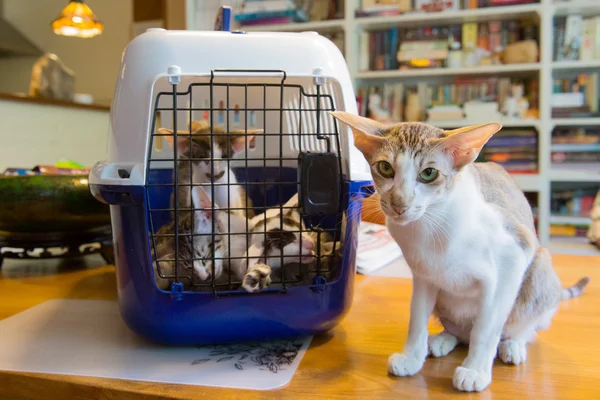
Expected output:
{"points": [[348, 362]]}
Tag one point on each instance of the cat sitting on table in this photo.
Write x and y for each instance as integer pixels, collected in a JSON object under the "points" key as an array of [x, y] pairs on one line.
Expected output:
{"points": [[468, 236]]}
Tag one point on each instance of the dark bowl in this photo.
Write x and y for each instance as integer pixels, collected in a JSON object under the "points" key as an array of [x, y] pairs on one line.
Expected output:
{"points": [[49, 204]]}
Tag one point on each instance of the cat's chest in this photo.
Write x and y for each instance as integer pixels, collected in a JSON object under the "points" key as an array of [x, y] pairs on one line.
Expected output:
{"points": [[449, 261]]}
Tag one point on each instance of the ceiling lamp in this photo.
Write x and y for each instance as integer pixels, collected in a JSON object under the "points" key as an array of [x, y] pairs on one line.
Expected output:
{"points": [[77, 20]]}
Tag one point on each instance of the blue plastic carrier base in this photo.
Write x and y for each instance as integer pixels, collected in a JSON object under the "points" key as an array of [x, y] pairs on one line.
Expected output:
{"points": [[198, 318]]}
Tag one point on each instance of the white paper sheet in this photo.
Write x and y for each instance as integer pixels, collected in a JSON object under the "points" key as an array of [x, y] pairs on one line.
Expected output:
{"points": [[376, 248], [89, 338]]}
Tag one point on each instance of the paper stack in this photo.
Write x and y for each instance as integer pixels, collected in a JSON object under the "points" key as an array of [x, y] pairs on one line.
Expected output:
{"points": [[376, 248]]}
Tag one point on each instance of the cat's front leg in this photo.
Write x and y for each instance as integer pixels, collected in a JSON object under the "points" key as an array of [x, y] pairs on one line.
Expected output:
{"points": [[411, 360], [497, 300]]}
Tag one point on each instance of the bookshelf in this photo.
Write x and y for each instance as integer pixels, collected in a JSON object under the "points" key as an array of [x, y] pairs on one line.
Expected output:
{"points": [[575, 121], [567, 65], [318, 26], [451, 17], [480, 70], [543, 13]]}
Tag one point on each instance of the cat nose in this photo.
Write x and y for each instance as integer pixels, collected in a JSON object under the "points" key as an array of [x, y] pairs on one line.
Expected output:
{"points": [[400, 210]]}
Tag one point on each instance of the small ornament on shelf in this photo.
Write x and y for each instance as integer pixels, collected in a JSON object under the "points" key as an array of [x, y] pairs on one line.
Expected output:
{"points": [[516, 106], [376, 109]]}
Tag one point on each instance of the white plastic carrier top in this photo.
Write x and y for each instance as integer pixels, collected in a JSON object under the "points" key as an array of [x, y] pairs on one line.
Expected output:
{"points": [[156, 60]]}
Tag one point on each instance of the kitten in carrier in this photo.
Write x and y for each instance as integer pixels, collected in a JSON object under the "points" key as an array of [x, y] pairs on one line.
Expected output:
{"points": [[279, 238], [202, 159]]}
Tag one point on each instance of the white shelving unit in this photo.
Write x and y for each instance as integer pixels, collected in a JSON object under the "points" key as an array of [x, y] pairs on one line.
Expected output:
{"points": [[543, 12], [570, 220], [480, 70]]}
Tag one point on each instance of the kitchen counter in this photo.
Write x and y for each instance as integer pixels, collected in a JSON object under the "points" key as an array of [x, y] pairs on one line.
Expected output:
{"points": [[348, 362], [41, 100]]}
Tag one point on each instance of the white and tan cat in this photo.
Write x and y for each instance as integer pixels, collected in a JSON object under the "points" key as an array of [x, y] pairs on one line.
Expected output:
{"points": [[468, 235]]}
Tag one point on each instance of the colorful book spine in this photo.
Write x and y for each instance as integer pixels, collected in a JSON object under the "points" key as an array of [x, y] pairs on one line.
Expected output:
{"points": [[512, 141], [588, 50], [469, 36]]}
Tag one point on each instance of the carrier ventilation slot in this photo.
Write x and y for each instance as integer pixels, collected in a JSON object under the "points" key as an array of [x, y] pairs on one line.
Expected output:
{"points": [[301, 118]]}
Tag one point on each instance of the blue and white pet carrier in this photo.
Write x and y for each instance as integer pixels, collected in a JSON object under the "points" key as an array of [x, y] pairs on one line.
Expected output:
{"points": [[176, 87]]}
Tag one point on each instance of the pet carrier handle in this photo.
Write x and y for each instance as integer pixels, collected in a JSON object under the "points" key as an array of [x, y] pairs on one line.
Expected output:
{"points": [[117, 183], [228, 72]]}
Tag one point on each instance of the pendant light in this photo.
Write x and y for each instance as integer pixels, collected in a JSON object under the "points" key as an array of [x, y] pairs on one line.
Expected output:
{"points": [[77, 20]]}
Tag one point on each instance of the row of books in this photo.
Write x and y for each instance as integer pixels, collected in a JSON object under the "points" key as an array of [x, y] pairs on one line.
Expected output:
{"points": [[400, 102], [575, 137], [394, 7], [268, 12], [454, 46], [575, 97], [515, 149], [572, 203], [576, 148], [577, 38]]}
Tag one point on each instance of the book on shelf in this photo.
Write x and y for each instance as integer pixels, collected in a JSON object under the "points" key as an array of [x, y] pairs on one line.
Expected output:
{"points": [[577, 37], [576, 136], [267, 12], [437, 5], [576, 203], [444, 112], [559, 157], [514, 148], [576, 95], [475, 99], [576, 147], [455, 45], [568, 148], [568, 230], [395, 7]]}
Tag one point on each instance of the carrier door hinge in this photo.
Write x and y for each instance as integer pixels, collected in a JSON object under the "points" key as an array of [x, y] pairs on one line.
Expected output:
{"points": [[319, 79], [174, 74]]}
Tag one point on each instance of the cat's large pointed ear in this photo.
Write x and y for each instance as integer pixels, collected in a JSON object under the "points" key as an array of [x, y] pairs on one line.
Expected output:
{"points": [[465, 144], [238, 139], [367, 132], [183, 139], [201, 202], [199, 126], [169, 135]]}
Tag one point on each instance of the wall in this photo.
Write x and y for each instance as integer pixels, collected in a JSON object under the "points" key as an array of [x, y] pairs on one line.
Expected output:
{"points": [[95, 61], [15, 74], [35, 134]]}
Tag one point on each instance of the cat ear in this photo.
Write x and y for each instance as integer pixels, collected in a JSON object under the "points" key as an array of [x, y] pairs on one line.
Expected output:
{"points": [[465, 144], [183, 139], [201, 202], [238, 139], [199, 126], [367, 132], [169, 132]]}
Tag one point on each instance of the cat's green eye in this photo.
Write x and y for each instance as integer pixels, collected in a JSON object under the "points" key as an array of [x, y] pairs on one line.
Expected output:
{"points": [[385, 169], [428, 175]]}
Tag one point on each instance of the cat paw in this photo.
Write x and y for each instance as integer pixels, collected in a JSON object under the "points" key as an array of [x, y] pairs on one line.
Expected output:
{"points": [[469, 380], [403, 365], [441, 345], [201, 271], [512, 352], [257, 279]]}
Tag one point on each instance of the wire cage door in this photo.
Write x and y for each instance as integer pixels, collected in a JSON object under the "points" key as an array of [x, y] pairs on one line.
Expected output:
{"points": [[244, 181]]}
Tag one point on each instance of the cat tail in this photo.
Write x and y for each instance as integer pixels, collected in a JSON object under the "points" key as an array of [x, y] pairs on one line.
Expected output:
{"points": [[575, 290]]}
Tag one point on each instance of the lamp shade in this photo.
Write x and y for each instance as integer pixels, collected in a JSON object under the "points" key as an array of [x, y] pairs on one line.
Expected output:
{"points": [[77, 20]]}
